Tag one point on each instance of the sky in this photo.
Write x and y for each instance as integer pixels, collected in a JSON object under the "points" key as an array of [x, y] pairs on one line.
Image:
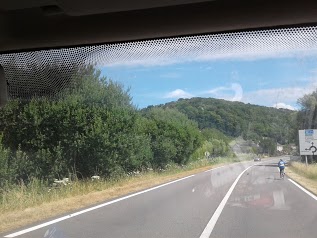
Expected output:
{"points": [[273, 81]]}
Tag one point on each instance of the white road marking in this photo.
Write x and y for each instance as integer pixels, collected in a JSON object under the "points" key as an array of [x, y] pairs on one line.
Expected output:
{"points": [[303, 189], [91, 209], [213, 220], [241, 162], [109, 203], [215, 168], [248, 161]]}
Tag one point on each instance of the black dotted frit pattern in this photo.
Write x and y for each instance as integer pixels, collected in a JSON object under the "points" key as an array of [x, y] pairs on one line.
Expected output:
{"points": [[47, 72]]}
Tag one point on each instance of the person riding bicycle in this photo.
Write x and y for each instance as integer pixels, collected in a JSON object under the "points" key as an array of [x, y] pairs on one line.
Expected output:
{"points": [[281, 165]]}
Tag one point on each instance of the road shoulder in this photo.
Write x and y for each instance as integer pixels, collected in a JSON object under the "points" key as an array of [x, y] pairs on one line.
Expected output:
{"points": [[19, 219], [309, 184]]}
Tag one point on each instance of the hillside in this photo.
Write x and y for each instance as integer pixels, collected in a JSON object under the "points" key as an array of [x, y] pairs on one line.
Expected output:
{"points": [[235, 119]]}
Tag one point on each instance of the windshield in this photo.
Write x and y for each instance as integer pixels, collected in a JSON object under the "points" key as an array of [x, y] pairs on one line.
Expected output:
{"points": [[192, 136]]}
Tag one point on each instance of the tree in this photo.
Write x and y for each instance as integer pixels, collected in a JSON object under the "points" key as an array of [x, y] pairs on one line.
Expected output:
{"points": [[307, 116], [91, 128], [55, 78], [212, 133], [268, 146], [173, 136], [238, 119]]}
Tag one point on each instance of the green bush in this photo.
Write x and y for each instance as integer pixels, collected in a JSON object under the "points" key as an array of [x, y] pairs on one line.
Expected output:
{"points": [[173, 136], [5, 171], [92, 129]]}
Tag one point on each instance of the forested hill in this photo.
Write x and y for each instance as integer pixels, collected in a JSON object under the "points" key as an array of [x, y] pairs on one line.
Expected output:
{"points": [[238, 119]]}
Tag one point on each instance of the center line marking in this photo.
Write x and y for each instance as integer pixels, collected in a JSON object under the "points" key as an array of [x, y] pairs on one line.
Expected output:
{"points": [[213, 220]]}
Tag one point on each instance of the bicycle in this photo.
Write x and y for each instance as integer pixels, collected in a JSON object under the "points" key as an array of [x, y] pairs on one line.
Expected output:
{"points": [[282, 173]]}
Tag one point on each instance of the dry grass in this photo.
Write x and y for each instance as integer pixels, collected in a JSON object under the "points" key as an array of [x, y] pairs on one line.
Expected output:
{"points": [[21, 207], [305, 176], [309, 171]]}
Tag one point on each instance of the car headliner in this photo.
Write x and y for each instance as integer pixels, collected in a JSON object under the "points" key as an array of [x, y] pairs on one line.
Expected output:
{"points": [[38, 24]]}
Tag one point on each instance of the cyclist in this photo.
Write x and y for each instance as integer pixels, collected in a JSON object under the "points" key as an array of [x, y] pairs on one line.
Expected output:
{"points": [[281, 165]]}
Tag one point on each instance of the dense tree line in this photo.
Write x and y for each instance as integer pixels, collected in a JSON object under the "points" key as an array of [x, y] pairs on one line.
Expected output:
{"points": [[215, 144], [91, 128], [235, 119]]}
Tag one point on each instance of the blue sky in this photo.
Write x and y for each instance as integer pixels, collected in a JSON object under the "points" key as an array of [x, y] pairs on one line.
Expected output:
{"points": [[274, 82]]}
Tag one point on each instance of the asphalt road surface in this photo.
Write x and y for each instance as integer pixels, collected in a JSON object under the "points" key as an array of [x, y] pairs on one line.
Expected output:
{"points": [[231, 201]]}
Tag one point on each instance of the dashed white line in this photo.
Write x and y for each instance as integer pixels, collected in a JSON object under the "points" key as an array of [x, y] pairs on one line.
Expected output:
{"points": [[90, 209], [213, 220], [303, 189]]}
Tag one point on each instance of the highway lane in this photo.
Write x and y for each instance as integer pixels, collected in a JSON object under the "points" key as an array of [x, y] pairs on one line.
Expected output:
{"points": [[180, 209], [260, 205]]}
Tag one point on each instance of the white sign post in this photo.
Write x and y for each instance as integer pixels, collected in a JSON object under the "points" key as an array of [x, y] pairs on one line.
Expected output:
{"points": [[307, 142]]}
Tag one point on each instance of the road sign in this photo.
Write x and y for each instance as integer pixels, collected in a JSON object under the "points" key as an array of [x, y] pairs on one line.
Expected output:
{"points": [[307, 142]]}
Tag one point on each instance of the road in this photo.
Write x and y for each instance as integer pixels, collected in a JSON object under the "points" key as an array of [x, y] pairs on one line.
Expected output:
{"points": [[223, 202]]}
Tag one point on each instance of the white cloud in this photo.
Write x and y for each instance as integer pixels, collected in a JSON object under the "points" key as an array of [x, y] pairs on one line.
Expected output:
{"points": [[178, 93], [232, 93], [238, 92], [288, 95], [217, 90], [279, 97], [283, 105]]}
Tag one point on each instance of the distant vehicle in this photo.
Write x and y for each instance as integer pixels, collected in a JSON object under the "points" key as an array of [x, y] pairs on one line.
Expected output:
{"points": [[257, 159]]}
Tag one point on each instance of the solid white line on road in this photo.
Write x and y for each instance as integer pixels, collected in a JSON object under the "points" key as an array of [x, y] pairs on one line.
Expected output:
{"points": [[247, 161], [228, 165], [214, 168], [213, 220], [91, 209], [303, 189]]}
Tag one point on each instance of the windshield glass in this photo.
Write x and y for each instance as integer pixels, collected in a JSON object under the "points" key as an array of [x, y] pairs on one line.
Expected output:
{"points": [[193, 136]]}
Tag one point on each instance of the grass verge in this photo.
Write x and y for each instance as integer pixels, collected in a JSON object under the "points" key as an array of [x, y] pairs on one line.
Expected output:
{"points": [[305, 176], [21, 205]]}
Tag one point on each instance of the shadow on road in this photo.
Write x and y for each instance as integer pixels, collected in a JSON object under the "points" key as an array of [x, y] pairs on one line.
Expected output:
{"points": [[274, 178], [267, 165]]}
